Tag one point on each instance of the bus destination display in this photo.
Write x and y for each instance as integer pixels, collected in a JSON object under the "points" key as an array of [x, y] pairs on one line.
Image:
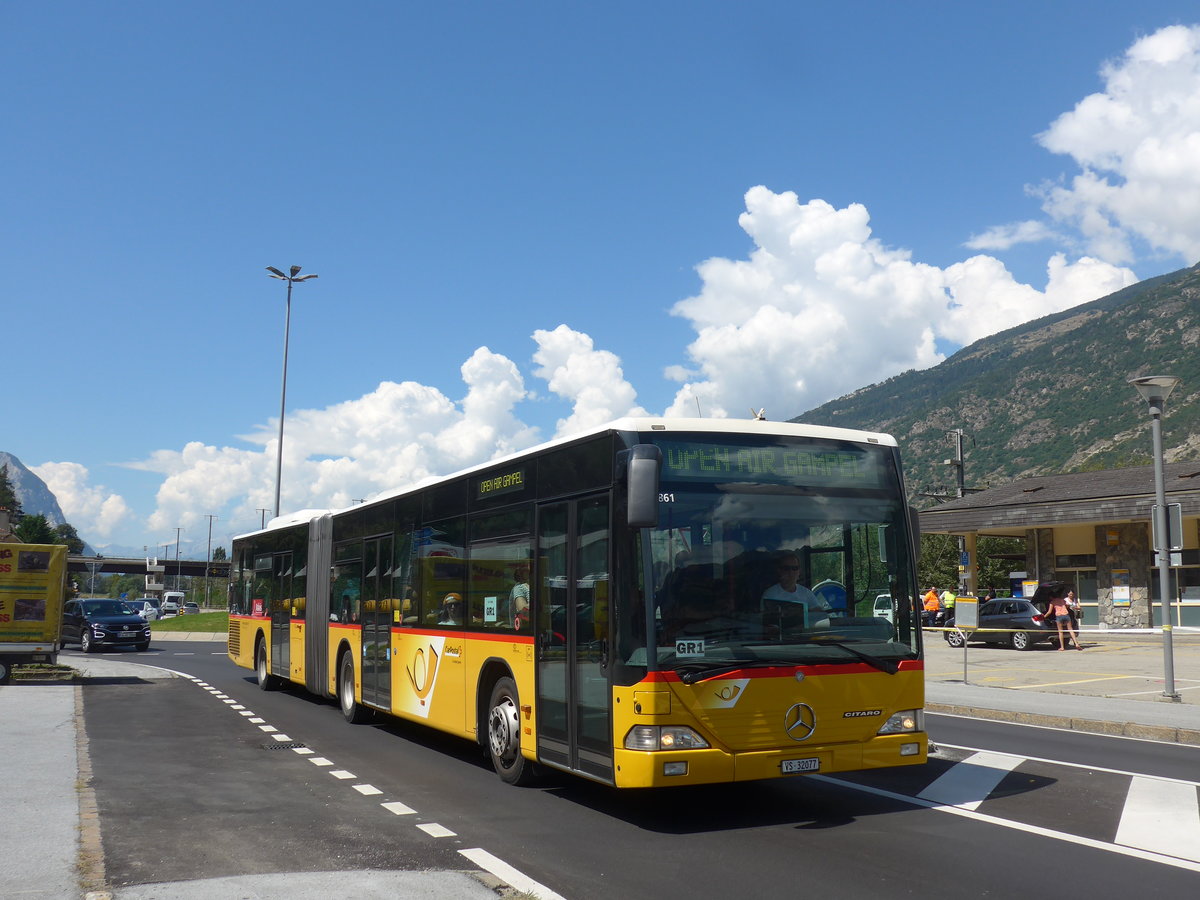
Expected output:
{"points": [[798, 464]]}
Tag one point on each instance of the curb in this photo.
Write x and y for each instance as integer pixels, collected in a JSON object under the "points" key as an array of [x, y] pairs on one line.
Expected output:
{"points": [[1165, 733]]}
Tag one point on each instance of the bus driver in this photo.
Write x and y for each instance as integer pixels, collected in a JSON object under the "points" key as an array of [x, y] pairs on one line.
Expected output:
{"points": [[778, 597]]}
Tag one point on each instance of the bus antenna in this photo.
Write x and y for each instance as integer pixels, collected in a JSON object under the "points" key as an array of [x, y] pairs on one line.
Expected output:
{"points": [[760, 416]]}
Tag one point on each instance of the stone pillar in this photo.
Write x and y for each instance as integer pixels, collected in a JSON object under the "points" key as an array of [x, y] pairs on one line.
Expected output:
{"points": [[1124, 546]]}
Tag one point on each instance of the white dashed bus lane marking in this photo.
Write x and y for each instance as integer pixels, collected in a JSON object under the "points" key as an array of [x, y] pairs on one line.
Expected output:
{"points": [[482, 858]]}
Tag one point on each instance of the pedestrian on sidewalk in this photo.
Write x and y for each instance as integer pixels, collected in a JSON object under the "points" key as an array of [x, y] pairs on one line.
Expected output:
{"points": [[1075, 609], [1061, 612]]}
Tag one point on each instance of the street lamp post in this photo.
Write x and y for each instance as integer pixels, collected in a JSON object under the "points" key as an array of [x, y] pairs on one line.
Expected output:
{"points": [[294, 278], [1155, 389], [178, 566]]}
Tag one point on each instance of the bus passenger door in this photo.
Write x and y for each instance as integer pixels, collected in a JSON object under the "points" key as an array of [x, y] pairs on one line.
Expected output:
{"points": [[574, 696], [376, 617], [281, 616]]}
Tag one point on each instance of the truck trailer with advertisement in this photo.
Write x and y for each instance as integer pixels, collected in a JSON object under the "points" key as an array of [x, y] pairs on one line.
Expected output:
{"points": [[33, 581]]}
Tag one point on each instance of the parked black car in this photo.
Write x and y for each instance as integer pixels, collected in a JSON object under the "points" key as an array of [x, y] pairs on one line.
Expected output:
{"points": [[93, 623], [1019, 624]]}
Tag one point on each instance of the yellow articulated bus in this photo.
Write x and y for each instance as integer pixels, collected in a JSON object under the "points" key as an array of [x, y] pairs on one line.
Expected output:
{"points": [[656, 602]]}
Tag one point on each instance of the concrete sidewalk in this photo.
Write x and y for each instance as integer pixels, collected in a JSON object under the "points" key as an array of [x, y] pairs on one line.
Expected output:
{"points": [[50, 828], [1115, 686]]}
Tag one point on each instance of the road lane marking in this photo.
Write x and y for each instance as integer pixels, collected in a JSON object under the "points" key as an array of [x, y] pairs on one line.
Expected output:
{"points": [[510, 875], [482, 858], [968, 783], [1078, 681], [1161, 816], [1134, 852]]}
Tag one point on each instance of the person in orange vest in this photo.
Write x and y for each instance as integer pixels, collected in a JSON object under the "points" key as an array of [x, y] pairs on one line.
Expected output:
{"points": [[932, 604]]}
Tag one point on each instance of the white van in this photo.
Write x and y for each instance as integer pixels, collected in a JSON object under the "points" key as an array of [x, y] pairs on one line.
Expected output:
{"points": [[172, 603], [884, 608]]}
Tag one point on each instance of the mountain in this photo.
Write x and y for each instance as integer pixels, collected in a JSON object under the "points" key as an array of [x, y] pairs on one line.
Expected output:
{"points": [[33, 494], [1046, 397]]}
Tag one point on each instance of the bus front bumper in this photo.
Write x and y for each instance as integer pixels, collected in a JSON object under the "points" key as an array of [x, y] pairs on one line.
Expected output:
{"points": [[636, 768]]}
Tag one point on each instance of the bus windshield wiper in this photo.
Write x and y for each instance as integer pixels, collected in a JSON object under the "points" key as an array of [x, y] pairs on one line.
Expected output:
{"points": [[690, 673], [883, 665]]}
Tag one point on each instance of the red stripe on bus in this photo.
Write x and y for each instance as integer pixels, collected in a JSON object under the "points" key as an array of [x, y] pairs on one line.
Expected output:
{"points": [[847, 668]]}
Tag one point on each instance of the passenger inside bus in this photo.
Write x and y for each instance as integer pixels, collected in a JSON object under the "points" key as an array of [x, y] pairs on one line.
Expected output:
{"points": [[451, 612]]}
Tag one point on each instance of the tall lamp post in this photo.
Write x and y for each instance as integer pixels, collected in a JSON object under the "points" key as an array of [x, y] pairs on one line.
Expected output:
{"points": [[1155, 389], [294, 278]]}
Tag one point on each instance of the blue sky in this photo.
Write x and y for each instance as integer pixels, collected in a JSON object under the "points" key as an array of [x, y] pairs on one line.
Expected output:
{"points": [[528, 218]]}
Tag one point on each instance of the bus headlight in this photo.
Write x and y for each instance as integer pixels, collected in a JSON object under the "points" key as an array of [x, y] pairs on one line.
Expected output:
{"points": [[663, 737], [904, 722]]}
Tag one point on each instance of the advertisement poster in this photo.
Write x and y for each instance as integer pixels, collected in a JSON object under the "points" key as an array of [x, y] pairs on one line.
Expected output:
{"points": [[27, 578], [1120, 583]]}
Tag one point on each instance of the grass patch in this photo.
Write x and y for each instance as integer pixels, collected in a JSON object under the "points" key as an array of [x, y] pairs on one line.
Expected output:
{"points": [[43, 672], [206, 622]]}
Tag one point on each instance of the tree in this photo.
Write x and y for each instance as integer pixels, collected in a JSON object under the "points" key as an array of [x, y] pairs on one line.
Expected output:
{"points": [[938, 565], [66, 534], [35, 530], [219, 554], [8, 495]]}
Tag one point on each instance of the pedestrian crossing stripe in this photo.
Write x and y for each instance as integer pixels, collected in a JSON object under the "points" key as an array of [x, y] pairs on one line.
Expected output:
{"points": [[1158, 818]]}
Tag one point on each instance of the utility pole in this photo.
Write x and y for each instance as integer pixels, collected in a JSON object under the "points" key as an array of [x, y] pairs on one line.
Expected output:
{"points": [[965, 568], [208, 561]]}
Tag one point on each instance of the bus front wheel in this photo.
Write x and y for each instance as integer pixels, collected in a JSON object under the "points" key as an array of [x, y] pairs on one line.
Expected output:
{"points": [[266, 681], [504, 734], [351, 711]]}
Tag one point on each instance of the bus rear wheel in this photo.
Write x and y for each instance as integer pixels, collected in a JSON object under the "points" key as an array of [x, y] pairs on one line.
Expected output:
{"points": [[352, 712], [504, 734]]}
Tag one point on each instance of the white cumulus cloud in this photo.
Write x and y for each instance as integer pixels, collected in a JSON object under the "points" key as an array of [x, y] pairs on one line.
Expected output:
{"points": [[1137, 144], [94, 511], [821, 308]]}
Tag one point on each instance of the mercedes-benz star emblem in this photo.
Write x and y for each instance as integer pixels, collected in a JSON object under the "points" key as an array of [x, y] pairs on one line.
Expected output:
{"points": [[800, 722]]}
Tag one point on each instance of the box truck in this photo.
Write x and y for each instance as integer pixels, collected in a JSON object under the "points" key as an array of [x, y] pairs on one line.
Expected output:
{"points": [[33, 584]]}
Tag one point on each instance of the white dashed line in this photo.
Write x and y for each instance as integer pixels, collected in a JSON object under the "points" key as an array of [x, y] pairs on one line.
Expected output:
{"points": [[508, 874], [479, 856], [399, 809]]}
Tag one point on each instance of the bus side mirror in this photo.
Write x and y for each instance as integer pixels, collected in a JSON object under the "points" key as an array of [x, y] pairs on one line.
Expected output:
{"points": [[642, 470], [914, 527]]}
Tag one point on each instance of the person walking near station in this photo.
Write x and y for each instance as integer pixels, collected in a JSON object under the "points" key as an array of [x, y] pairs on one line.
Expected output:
{"points": [[1060, 611], [932, 604], [949, 599], [1074, 609]]}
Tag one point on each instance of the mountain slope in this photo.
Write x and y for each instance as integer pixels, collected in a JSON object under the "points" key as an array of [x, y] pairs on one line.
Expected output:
{"points": [[1047, 396]]}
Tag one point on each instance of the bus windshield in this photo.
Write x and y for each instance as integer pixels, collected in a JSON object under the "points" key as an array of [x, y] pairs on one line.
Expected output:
{"points": [[778, 551]]}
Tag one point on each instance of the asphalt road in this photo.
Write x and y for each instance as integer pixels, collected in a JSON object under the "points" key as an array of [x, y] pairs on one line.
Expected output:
{"points": [[188, 786]]}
